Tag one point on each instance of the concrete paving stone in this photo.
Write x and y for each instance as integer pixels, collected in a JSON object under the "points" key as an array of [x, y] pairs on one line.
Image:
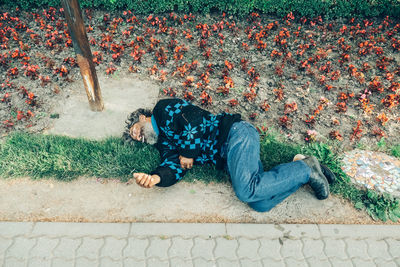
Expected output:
{"points": [[248, 248], [292, 248], [273, 263], [226, 248], [5, 243], [13, 229], [67, 247], [60, 262], [44, 247], [340, 262], [378, 249], [154, 262], [14, 262], [200, 262], [130, 262], [108, 262], [20, 248], [394, 247], [254, 230], [90, 248], [178, 229], [357, 248], [181, 248], [384, 262], [136, 248], [39, 262], [294, 262], [362, 263], [158, 248], [203, 248], [302, 230], [317, 261], [113, 248], [359, 231], [335, 248], [250, 263], [181, 262], [222, 262], [49, 229], [313, 248], [84, 262], [270, 248]]}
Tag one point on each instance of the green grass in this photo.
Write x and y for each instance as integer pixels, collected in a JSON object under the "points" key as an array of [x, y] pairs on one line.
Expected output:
{"points": [[63, 158], [396, 151]]}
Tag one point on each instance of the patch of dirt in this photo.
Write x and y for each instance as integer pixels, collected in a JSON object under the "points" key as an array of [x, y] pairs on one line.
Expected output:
{"points": [[108, 200], [307, 78]]}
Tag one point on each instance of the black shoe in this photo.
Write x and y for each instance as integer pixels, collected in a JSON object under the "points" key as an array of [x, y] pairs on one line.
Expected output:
{"points": [[318, 181], [330, 176]]}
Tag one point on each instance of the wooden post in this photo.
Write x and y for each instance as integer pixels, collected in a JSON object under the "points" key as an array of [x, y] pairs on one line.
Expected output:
{"points": [[73, 15]]}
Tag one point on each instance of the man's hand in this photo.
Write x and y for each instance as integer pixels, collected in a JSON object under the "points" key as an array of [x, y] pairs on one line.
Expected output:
{"points": [[146, 180], [186, 163]]}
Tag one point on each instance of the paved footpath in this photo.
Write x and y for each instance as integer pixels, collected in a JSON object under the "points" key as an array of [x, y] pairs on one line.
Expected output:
{"points": [[168, 244]]}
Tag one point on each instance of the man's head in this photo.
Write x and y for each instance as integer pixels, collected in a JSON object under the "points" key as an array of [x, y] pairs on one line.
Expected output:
{"points": [[140, 127]]}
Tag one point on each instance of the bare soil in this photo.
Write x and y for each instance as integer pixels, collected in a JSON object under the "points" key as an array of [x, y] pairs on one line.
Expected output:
{"points": [[99, 200], [306, 78]]}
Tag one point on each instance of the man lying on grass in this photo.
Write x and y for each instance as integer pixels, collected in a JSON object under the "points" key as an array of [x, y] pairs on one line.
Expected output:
{"points": [[186, 135]]}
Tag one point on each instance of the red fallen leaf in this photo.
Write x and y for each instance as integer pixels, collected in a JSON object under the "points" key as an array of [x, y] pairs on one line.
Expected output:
{"points": [[188, 96], [223, 89], [335, 135], [250, 96], [228, 82], [133, 69], [63, 71], [290, 107], [279, 94], [153, 70], [341, 107], [243, 63], [253, 116], [382, 118], [188, 82], [206, 98], [378, 132], [8, 123], [233, 102], [13, 72], [111, 69], [391, 100], [170, 92], [229, 65], [44, 80], [310, 119], [376, 85], [357, 131], [285, 121], [207, 54], [30, 113], [265, 106]]}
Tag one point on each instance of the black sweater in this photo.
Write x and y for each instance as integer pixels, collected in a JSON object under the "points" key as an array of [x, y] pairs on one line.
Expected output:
{"points": [[189, 131]]}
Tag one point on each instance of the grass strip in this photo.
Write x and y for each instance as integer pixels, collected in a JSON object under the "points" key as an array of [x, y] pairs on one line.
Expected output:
{"points": [[47, 156]]}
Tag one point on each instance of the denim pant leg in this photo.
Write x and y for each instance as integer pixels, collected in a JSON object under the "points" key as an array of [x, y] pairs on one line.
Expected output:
{"points": [[261, 190]]}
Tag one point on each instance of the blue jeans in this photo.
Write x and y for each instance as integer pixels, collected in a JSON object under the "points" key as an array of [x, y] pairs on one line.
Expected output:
{"points": [[261, 190]]}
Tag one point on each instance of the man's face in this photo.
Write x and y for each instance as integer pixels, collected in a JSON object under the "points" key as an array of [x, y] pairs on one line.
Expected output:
{"points": [[143, 131], [136, 131]]}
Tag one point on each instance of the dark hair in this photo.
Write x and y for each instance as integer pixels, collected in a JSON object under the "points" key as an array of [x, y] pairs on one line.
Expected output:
{"points": [[132, 119]]}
